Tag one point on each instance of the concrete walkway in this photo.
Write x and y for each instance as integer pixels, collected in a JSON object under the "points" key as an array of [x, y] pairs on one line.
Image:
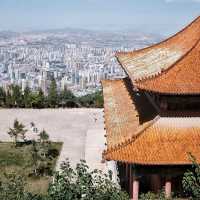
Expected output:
{"points": [[80, 130]]}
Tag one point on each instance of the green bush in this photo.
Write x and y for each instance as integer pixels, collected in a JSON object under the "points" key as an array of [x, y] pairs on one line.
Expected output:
{"points": [[84, 184], [94, 100], [191, 180], [68, 184], [153, 196]]}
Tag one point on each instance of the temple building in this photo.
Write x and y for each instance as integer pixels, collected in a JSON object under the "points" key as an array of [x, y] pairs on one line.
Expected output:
{"points": [[152, 117]]}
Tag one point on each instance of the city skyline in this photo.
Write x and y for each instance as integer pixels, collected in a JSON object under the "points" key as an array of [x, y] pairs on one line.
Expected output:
{"points": [[161, 17]]}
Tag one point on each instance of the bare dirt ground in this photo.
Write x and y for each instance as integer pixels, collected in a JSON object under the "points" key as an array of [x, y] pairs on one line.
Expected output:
{"points": [[80, 130]]}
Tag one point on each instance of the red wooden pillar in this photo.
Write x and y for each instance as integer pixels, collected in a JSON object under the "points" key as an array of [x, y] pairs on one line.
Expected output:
{"points": [[168, 188], [135, 194], [133, 183]]}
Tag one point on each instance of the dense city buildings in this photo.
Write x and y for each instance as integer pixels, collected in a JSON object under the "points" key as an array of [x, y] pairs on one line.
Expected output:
{"points": [[76, 59], [152, 116]]}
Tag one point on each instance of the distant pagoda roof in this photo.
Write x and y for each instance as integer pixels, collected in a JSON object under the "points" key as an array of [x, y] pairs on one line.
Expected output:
{"points": [[172, 66], [130, 138]]}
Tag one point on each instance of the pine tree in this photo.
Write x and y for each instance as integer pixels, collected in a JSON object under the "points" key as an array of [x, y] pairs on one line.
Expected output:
{"points": [[41, 99], [17, 96], [53, 95], [2, 97], [67, 98], [9, 101], [27, 94]]}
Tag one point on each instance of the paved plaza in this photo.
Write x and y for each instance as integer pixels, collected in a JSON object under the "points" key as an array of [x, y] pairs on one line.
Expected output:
{"points": [[80, 130]]}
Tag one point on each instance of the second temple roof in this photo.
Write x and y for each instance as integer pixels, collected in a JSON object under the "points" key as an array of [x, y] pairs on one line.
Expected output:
{"points": [[171, 66]]}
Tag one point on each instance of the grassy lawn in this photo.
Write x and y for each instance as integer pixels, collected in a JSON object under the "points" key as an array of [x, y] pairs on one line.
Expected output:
{"points": [[19, 160]]}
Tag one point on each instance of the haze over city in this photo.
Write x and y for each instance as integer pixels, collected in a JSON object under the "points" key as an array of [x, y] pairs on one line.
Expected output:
{"points": [[154, 16]]}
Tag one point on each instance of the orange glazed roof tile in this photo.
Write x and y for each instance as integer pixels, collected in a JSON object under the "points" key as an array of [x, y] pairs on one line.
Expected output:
{"points": [[153, 61], [167, 142], [123, 112], [182, 78], [120, 114]]}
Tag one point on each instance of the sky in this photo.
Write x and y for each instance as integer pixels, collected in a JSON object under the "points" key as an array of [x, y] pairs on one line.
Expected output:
{"points": [[153, 16]]}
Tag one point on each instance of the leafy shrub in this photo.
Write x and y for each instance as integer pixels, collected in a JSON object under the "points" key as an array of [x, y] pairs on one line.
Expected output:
{"points": [[153, 196], [68, 184], [82, 184], [191, 179]]}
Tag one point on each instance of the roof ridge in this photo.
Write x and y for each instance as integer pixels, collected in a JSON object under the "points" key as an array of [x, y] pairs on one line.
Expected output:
{"points": [[163, 41], [164, 71], [136, 134]]}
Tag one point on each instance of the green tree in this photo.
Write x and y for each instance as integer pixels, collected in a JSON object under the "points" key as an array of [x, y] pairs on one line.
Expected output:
{"points": [[94, 100], [53, 95], [26, 97], [9, 101], [44, 137], [2, 97], [29, 99], [41, 157], [37, 99], [41, 99], [35, 157], [67, 99], [17, 131], [17, 96], [44, 147], [83, 184], [33, 100], [191, 179], [68, 184], [99, 99]]}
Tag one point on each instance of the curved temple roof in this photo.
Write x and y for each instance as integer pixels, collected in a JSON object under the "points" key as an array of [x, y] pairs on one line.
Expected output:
{"points": [[161, 141], [182, 78], [125, 113], [167, 142], [171, 66], [118, 121]]}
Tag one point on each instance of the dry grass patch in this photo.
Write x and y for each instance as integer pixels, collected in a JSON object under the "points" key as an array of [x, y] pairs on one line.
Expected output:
{"points": [[19, 160]]}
